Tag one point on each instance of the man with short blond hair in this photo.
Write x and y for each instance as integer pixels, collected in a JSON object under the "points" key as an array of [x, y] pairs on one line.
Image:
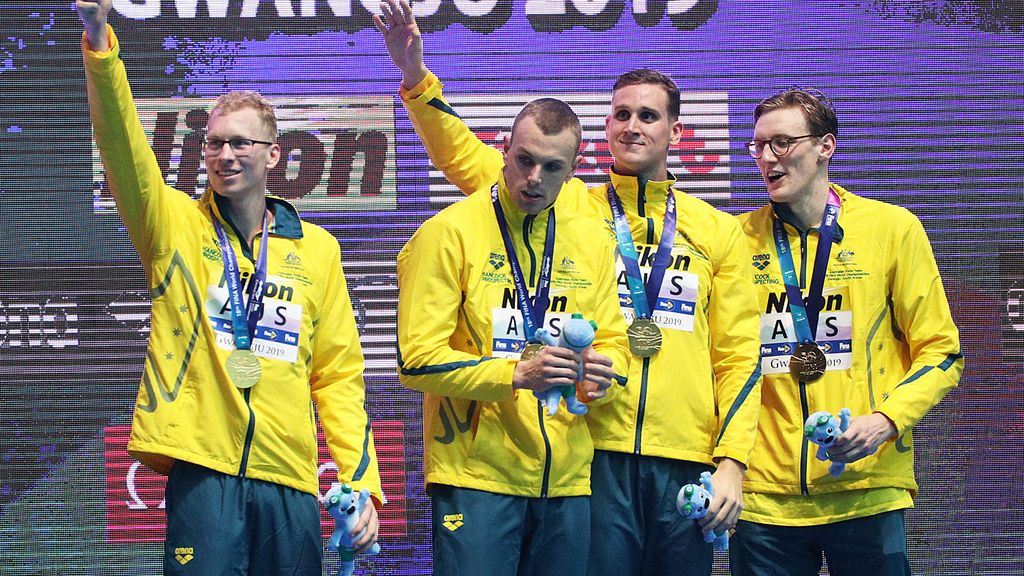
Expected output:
{"points": [[509, 488], [251, 326]]}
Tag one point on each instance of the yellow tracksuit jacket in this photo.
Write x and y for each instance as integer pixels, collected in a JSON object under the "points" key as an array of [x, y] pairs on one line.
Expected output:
{"points": [[187, 408], [698, 398], [893, 349], [456, 315]]}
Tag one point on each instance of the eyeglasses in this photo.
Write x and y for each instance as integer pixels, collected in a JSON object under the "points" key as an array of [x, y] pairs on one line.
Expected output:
{"points": [[779, 145], [240, 146]]}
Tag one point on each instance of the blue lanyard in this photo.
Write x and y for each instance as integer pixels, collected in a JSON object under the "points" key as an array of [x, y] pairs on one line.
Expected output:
{"points": [[533, 313], [644, 296], [805, 320], [243, 327]]}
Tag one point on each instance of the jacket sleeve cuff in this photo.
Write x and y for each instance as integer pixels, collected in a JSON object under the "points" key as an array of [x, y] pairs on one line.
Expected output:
{"points": [[428, 84], [112, 50], [731, 452]]}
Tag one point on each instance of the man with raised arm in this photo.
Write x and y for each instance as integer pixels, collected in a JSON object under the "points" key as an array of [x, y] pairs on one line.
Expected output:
{"points": [[251, 326], [508, 481], [854, 317], [692, 399]]}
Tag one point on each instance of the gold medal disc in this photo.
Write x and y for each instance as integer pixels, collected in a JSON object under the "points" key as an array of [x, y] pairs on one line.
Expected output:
{"points": [[531, 351], [807, 364], [243, 368], [644, 337]]}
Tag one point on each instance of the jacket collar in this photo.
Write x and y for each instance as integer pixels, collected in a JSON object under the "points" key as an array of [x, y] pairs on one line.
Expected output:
{"points": [[784, 213], [636, 192], [286, 222], [513, 215]]}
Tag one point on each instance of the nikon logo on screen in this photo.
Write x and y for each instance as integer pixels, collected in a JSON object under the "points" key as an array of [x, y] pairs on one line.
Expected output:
{"points": [[434, 15], [337, 154]]}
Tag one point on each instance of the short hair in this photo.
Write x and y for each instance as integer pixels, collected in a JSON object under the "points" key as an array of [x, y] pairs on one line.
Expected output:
{"points": [[648, 76], [241, 99], [552, 117], [817, 108]]}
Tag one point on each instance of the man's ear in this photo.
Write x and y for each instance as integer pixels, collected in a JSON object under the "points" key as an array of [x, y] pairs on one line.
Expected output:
{"points": [[677, 133], [828, 147], [274, 156], [575, 165]]}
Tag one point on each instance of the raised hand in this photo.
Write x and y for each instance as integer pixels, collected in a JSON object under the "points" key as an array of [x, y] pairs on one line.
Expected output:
{"points": [[93, 14], [402, 38]]}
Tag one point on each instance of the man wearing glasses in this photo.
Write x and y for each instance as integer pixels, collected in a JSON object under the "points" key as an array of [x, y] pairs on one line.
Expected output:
{"points": [[251, 325], [853, 316], [692, 399]]}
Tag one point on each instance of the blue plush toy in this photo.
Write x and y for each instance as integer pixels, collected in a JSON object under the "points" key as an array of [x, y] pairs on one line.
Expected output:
{"points": [[823, 429], [343, 506], [577, 335], [693, 502]]}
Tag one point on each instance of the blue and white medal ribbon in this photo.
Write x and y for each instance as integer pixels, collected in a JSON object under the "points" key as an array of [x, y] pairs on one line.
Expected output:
{"points": [[533, 312], [243, 367]]}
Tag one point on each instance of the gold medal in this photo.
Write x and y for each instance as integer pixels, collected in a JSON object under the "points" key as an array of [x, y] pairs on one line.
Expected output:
{"points": [[807, 363], [243, 368], [644, 337], [531, 351]]}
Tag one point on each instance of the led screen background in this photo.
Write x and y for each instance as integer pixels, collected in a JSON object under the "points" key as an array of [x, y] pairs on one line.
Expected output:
{"points": [[930, 97]]}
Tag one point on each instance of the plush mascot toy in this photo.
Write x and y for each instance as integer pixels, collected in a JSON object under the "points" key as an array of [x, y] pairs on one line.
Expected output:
{"points": [[823, 429], [693, 502], [577, 335], [341, 503]]}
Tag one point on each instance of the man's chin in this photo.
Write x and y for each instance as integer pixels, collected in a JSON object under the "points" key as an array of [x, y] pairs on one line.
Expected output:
{"points": [[628, 164], [779, 195], [529, 205]]}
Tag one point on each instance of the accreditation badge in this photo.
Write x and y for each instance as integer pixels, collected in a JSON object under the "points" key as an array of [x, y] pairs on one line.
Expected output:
{"points": [[278, 330], [508, 334], [780, 343]]}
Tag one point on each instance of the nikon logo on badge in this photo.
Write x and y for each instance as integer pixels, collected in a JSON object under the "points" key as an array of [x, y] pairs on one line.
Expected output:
{"points": [[779, 302], [337, 154]]}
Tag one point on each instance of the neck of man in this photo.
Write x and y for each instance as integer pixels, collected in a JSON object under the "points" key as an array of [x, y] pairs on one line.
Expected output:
{"points": [[245, 213], [810, 208], [654, 173]]}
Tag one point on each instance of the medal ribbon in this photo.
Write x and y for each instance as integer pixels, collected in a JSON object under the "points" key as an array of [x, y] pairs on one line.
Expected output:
{"points": [[644, 296], [533, 313], [243, 326], [805, 320]]}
